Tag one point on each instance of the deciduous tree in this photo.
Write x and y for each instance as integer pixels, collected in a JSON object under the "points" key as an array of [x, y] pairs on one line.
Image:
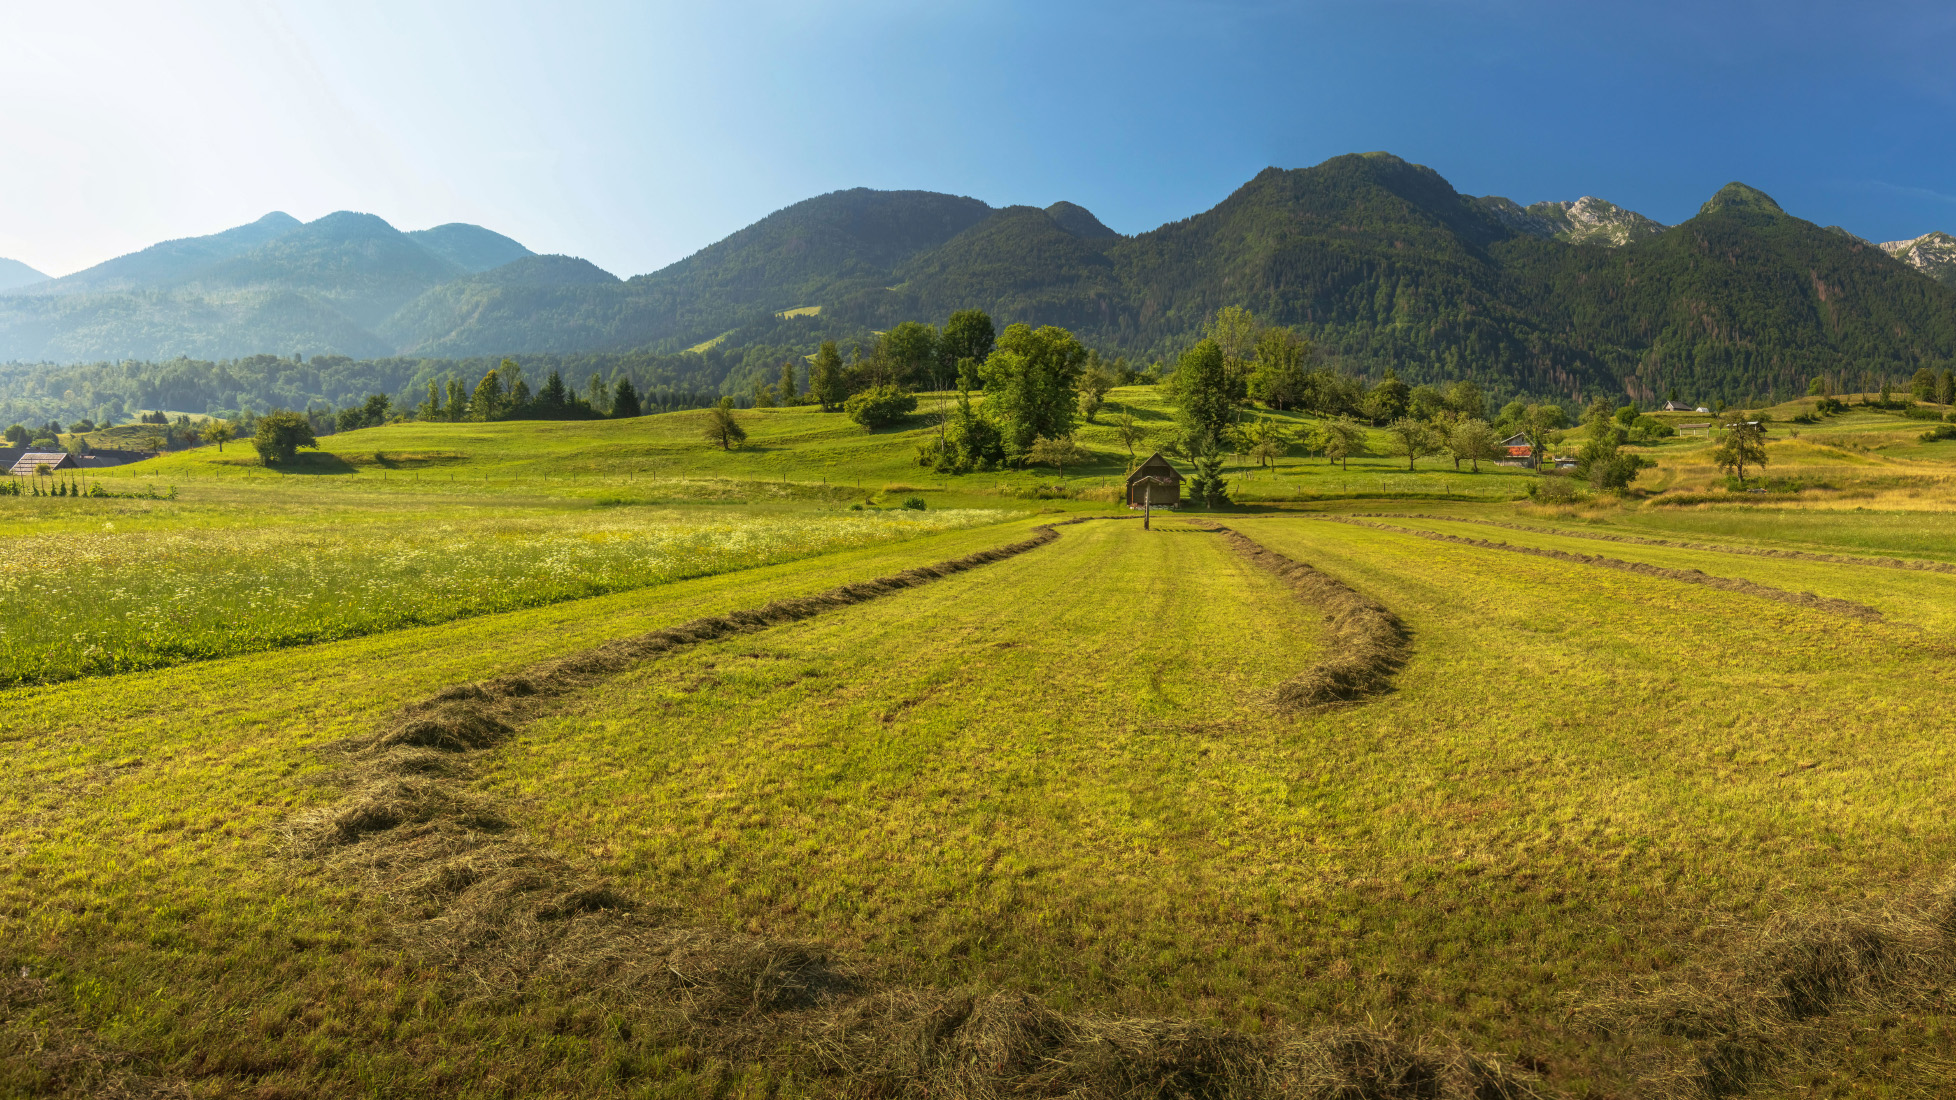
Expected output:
{"points": [[280, 435], [1057, 453], [1472, 440], [825, 383], [1743, 444], [1412, 439]]}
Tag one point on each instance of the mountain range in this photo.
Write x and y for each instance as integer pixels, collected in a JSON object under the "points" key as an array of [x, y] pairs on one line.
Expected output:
{"points": [[1380, 261]]}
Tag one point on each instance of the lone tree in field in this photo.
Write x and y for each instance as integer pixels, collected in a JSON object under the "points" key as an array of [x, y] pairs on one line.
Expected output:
{"points": [[220, 433], [721, 427], [1266, 441], [1744, 444], [1131, 434], [1412, 439], [1058, 453], [280, 435], [1341, 438], [1473, 440]]}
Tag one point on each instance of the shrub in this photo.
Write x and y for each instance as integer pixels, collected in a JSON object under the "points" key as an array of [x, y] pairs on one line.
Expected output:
{"points": [[914, 503], [280, 435], [880, 406], [1554, 489], [1922, 412], [1940, 431]]}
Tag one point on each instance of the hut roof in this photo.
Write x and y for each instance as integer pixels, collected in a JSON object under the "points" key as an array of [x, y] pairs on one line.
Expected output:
{"points": [[1155, 467], [32, 460]]}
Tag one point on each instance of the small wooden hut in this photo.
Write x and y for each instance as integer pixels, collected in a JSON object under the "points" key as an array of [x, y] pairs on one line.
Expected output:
{"points": [[31, 463], [1155, 483]]}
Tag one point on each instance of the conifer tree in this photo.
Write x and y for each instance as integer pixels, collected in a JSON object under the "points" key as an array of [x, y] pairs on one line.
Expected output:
{"points": [[624, 400]]}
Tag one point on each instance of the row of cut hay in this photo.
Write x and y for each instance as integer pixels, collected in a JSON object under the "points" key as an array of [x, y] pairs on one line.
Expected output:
{"points": [[1642, 540], [1367, 643], [1830, 604], [1775, 1006], [479, 897]]}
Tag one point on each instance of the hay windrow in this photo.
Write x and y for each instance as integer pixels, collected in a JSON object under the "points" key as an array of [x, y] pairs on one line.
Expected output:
{"points": [[1829, 604], [476, 896], [1775, 1004], [1367, 643], [1915, 564]]}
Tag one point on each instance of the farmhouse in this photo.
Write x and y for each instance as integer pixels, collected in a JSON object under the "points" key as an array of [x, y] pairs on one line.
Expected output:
{"points": [[1677, 407], [32, 462], [1154, 482]]}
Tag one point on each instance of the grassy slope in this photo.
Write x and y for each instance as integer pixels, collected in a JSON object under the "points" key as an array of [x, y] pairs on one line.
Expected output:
{"points": [[811, 452]]}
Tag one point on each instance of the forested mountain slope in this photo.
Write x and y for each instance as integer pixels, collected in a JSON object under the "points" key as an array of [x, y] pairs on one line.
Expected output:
{"points": [[1381, 262]]}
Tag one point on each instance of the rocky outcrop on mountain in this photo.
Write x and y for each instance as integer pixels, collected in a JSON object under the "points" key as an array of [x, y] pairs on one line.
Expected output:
{"points": [[1587, 220], [1933, 254]]}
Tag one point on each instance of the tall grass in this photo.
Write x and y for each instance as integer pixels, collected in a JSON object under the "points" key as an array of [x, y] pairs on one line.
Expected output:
{"points": [[73, 606]]}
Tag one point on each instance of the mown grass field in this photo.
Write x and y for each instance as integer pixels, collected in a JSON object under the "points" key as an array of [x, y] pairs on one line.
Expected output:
{"points": [[1057, 775]]}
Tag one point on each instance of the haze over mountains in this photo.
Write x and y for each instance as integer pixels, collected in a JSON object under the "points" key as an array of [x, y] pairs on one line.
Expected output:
{"points": [[1380, 261]]}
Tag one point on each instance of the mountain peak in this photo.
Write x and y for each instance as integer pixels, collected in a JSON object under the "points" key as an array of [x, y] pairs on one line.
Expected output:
{"points": [[13, 274], [470, 246], [1933, 254], [1078, 220], [1587, 220], [1738, 196]]}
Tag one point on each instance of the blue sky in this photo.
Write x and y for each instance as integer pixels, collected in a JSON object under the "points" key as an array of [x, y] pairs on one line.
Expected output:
{"points": [[634, 134]]}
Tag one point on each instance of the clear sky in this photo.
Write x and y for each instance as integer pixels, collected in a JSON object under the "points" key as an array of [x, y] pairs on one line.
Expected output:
{"points": [[635, 133]]}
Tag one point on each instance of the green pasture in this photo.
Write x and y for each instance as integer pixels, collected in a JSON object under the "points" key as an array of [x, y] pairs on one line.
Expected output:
{"points": [[1057, 774], [133, 598], [156, 938], [800, 451]]}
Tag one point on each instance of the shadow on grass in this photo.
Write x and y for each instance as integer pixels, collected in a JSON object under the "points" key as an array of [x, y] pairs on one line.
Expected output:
{"points": [[320, 463]]}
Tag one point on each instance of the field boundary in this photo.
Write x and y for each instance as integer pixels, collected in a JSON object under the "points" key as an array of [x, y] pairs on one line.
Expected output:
{"points": [[1368, 643], [474, 895], [1918, 564], [1829, 604]]}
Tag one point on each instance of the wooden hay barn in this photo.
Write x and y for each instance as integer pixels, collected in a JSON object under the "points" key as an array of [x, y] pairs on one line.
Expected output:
{"points": [[1154, 482], [30, 463]]}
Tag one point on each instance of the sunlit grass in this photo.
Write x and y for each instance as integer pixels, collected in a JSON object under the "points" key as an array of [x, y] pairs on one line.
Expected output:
{"points": [[116, 603]]}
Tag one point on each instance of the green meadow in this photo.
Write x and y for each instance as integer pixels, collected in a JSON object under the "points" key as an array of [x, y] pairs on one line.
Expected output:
{"points": [[1031, 826]]}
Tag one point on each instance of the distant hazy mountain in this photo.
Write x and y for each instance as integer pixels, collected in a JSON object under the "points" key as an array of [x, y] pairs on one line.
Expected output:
{"points": [[538, 303], [163, 265], [470, 247], [14, 274], [275, 285], [1933, 254], [1588, 220]]}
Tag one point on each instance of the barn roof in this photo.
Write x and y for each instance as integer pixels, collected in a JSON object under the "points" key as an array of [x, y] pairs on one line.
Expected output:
{"points": [[1156, 467], [1519, 439], [53, 460]]}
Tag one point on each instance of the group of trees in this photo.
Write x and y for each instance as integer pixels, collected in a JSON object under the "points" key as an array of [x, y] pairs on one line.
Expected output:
{"points": [[504, 394]]}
